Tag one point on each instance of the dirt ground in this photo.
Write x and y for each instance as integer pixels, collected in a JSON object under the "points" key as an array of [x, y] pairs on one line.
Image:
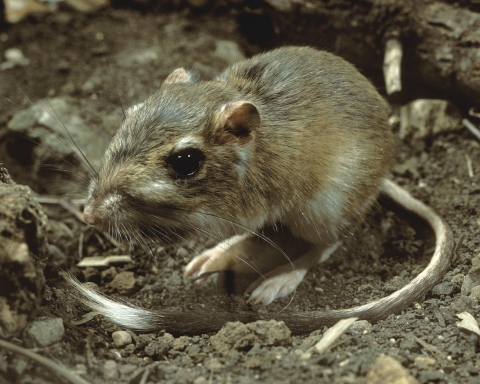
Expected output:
{"points": [[102, 62]]}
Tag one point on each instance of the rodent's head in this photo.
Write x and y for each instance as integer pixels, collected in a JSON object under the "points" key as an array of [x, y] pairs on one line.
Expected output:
{"points": [[177, 163]]}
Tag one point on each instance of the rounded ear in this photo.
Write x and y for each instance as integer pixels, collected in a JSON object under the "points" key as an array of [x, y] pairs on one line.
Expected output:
{"points": [[179, 75], [239, 121]]}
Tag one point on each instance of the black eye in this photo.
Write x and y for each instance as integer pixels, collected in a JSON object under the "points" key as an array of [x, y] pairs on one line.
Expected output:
{"points": [[186, 162]]}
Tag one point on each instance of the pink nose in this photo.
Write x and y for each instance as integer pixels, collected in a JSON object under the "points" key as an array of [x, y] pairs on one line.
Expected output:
{"points": [[89, 215]]}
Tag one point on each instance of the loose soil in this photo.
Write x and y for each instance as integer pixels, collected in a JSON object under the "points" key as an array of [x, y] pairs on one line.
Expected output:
{"points": [[114, 58]]}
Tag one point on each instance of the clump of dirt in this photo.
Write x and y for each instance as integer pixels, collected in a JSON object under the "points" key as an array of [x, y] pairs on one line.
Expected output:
{"points": [[106, 61]]}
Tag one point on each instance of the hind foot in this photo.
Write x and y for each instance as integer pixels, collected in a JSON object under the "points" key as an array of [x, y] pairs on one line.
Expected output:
{"points": [[284, 280]]}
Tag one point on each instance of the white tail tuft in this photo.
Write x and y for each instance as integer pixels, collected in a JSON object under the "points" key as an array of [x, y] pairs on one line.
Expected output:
{"points": [[120, 313]]}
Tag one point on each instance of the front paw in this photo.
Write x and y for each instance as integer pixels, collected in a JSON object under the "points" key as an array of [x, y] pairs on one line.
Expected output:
{"points": [[219, 258], [206, 263]]}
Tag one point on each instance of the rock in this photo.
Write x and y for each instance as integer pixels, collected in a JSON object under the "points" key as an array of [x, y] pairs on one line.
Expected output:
{"points": [[18, 10], [139, 57], [386, 369], [110, 370], [229, 51], [424, 362], [475, 293], [87, 6], [472, 279], [126, 369], [213, 365], [19, 366], [237, 335], [108, 274], [128, 350], [23, 243], [81, 369], [42, 333], [182, 252], [424, 118], [125, 283], [408, 168], [45, 122], [181, 343], [157, 349], [445, 288], [121, 338], [360, 327], [168, 338], [200, 380], [14, 57], [462, 304]]}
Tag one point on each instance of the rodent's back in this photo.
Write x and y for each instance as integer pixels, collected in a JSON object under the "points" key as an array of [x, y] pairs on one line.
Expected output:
{"points": [[324, 118], [292, 81]]}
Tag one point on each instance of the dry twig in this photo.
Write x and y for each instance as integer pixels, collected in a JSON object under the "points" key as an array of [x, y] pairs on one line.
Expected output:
{"points": [[392, 65], [330, 336]]}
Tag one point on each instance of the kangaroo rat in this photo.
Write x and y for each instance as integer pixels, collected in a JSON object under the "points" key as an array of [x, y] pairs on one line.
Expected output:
{"points": [[296, 137]]}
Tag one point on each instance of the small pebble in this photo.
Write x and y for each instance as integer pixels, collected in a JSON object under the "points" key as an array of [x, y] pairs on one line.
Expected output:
{"points": [[236, 335], [386, 369], [181, 343], [200, 380], [445, 288], [14, 57], [81, 369], [360, 327], [19, 366], [121, 338], [423, 118], [424, 362], [124, 283], [44, 332], [229, 51], [475, 293], [182, 252], [126, 369], [110, 370], [214, 365]]}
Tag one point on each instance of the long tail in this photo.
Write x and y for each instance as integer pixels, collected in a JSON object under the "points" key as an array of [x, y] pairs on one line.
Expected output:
{"points": [[199, 321], [413, 291]]}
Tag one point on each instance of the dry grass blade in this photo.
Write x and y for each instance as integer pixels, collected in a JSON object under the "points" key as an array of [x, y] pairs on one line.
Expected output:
{"points": [[469, 166], [70, 205], [471, 128], [71, 377], [457, 247]]}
